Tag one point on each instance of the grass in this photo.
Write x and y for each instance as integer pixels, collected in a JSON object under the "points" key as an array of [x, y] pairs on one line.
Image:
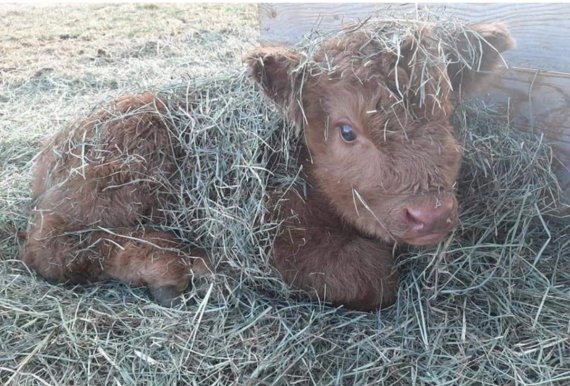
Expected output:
{"points": [[487, 307]]}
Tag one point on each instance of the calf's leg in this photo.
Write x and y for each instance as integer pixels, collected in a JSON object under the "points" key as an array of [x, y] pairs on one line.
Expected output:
{"points": [[156, 260], [344, 269], [140, 257], [107, 173]]}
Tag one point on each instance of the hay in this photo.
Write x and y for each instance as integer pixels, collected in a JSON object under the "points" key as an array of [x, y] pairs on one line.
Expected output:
{"points": [[235, 149], [488, 306]]}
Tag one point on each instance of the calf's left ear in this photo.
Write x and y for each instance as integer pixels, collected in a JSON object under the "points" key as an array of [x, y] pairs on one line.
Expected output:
{"points": [[271, 67], [476, 54]]}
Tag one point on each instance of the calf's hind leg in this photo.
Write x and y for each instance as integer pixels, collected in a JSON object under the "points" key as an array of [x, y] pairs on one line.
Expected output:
{"points": [[108, 172], [153, 259], [140, 257]]}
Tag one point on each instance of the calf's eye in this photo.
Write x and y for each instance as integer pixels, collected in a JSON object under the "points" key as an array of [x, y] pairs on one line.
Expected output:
{"points": [[347, 132]]}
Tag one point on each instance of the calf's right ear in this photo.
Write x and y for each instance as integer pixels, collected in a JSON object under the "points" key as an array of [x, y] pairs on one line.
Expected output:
{"points": [[272, 68]]}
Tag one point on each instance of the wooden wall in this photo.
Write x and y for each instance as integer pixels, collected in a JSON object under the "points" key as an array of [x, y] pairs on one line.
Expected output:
{"points": [[534, 91]]}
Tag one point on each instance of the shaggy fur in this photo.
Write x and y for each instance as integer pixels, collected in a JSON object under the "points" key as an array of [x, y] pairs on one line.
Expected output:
{"points": [[392, 181]]}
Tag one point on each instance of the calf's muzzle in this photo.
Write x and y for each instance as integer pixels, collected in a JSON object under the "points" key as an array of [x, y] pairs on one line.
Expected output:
{"points": [[430, 219]]}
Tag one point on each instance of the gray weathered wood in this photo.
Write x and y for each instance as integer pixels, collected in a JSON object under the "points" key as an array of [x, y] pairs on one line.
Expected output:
{"points": [[541, 30]]}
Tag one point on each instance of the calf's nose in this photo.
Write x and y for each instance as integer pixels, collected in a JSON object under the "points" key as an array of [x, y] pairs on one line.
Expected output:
{"points": [[433, 216]]}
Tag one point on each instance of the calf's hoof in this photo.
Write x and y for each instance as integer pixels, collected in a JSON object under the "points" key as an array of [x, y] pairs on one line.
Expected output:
{"points": [[166, 296]]}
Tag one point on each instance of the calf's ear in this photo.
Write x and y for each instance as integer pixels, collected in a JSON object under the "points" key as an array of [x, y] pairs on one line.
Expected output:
{"points": [[271, 67], [476, 54]]}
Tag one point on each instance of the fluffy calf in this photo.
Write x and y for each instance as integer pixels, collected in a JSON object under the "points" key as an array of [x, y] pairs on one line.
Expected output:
{"points": [[379, 158]]}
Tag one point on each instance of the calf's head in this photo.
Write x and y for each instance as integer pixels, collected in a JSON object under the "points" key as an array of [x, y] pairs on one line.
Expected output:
{"points": [[374, 106]]}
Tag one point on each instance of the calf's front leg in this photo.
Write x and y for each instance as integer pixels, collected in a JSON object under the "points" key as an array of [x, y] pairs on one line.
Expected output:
{"points": [[343, 268]]}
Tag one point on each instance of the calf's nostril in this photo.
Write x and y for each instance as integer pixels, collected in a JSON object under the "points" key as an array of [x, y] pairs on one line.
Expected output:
{"points": [[426, 218], [414, 218]]}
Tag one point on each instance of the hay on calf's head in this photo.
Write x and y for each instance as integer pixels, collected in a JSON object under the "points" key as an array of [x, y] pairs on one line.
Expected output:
{"points": [[420, 62]]}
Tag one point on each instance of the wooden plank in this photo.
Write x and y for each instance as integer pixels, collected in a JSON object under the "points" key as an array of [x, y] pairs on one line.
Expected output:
{"points": [[534, 92], [538, 102], [541, 30], [534, 100]]}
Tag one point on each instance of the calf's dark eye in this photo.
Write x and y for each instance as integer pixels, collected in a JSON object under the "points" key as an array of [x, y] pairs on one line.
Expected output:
{"points": [[347, 132]]}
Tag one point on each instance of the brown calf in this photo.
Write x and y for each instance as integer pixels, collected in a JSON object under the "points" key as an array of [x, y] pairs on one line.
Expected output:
{"points": [[380, 161]]}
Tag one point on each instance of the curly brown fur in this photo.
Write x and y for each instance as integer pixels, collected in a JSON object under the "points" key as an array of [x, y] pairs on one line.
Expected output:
{"points": [[395, 182], [103, 174], [380, 163]]}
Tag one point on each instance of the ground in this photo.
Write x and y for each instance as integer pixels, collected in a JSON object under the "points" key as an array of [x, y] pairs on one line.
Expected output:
{"points": [[491, 311]]}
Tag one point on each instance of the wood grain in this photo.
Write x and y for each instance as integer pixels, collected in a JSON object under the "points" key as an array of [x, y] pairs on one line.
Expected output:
{"points": [[541, 30]]}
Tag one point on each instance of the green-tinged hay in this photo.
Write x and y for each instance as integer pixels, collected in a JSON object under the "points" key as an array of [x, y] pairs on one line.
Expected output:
{"points": [[490, 306], [234, 148]]}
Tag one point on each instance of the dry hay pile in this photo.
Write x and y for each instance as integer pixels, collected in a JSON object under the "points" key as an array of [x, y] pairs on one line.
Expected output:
{"points": [[235, 148], [489, 306]]}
